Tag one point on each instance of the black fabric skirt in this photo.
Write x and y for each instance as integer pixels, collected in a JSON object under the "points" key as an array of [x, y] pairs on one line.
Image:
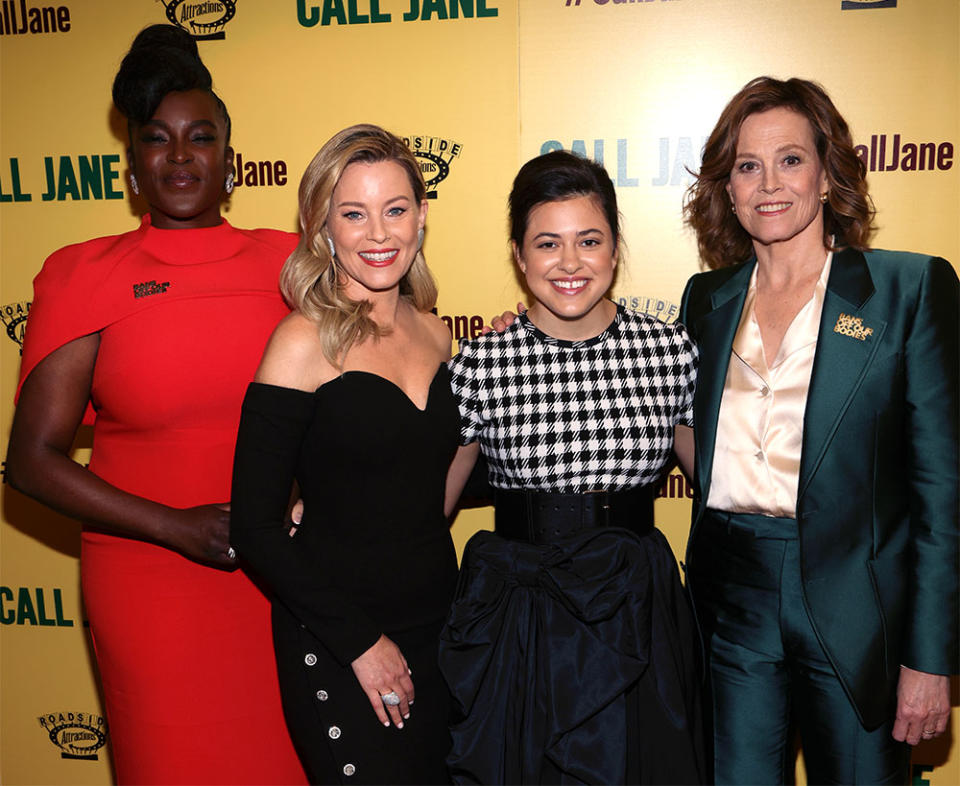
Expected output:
{"points": [[573, 662]]}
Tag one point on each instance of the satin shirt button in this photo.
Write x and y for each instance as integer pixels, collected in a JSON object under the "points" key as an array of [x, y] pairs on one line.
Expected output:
{"points": [[764, 391], [322, 695], [310, 659], [758, 455], [349, 769], [334, 732]]}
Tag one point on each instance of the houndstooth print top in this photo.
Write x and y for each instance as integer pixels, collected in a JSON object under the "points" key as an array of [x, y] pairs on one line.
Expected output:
{"points": [[569, 416]]}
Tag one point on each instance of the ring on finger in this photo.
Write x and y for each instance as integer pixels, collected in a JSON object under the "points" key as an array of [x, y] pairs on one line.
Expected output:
{"points": [[391, 699], [231, 553]]}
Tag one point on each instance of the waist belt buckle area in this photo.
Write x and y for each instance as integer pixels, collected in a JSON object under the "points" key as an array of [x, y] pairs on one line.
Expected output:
{"points": [[530, 517], [596, 508]]}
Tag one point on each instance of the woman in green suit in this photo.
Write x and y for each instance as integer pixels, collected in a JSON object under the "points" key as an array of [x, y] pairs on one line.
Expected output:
{"points": [[823, 555]]}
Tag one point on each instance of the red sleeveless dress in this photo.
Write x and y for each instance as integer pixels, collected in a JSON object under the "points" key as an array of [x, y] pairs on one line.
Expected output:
{"points": [[185, 651]]}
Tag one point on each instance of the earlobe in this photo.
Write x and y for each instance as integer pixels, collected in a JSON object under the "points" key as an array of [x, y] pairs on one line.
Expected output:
{"points": [[518, 259]]}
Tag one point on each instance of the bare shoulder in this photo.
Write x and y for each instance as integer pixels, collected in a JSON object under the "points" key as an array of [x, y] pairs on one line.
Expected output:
{"points": [[294, 357], [438, 332]]}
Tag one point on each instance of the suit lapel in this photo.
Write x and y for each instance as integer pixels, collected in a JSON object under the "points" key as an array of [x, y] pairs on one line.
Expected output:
{"points": [[841, 359], [715, 332]]}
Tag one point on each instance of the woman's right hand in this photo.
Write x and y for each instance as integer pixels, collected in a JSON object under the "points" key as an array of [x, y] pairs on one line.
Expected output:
{"points": [[202, 533], [505, 320], [380, 670], [52, 402]]}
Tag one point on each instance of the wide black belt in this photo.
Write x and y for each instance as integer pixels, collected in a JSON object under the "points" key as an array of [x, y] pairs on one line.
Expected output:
{"points": [[544, 517]]}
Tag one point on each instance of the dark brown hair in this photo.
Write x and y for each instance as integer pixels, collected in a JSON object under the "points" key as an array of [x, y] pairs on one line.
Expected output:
{"points": [[560, 175], [847, 215]]}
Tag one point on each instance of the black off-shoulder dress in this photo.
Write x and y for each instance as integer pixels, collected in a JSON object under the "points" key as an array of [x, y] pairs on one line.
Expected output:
{"points": [[373, 555]]}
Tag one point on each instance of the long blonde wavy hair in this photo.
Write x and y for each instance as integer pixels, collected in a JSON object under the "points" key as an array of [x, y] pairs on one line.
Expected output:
{"points": [[311, 280]]}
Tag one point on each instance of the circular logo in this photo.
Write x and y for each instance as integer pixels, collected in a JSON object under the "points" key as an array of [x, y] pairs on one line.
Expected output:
{"points": [[78, 735], [433, 168], [14, 318], [203, 19]]}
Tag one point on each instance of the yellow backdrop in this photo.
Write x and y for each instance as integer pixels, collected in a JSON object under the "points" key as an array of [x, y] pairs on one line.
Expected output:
{"points": [[477, 87]]}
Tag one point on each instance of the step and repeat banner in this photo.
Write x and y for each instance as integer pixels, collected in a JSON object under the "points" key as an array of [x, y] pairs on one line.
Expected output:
{"points": [[476, 87]]}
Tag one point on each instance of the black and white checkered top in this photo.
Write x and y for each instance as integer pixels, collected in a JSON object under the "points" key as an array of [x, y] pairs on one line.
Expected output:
{"points": [[575, 416]]}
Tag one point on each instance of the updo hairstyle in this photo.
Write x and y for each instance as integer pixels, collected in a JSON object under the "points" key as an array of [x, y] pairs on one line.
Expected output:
{"points": [[162, 59]]}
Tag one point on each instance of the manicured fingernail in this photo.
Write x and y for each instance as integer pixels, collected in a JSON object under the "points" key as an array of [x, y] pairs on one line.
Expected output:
{"points": [[410, 702], [387, 724], [407, 716], [399, 724]]}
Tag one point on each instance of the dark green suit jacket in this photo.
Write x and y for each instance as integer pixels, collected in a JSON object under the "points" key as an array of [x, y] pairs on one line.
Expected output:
{"points": [[877, 507]]}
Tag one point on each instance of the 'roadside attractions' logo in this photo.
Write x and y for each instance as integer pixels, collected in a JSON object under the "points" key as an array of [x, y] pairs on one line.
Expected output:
{"points": [[435, 156], [664, 310], [78, 735], [14, 318], [205, 20]]}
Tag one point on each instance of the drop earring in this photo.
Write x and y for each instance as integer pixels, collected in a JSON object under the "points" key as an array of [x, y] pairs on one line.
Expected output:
{"points": [[333, 249], [228, 183], [134, 186], [419, 239], [733, 207]]}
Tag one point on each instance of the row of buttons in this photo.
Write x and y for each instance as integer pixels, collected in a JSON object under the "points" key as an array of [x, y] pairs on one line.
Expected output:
{"points": [[334, 731]]}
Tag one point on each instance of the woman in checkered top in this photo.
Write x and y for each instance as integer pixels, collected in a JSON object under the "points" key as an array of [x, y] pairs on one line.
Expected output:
{"points": [[570, 646]]}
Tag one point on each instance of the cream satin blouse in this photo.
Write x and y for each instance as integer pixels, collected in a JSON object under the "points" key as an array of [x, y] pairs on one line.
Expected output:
{"points": [[756, 460]]}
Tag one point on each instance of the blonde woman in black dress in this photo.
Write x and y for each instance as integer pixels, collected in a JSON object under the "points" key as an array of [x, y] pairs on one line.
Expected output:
{"points": [[352, 400]]}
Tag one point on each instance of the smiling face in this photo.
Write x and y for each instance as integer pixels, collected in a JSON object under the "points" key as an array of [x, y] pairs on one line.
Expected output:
{"points": [[568, 258], [180, 159], [374, 220], [777, 179]]}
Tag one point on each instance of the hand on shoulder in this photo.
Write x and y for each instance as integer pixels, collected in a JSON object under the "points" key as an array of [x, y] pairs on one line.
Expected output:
{"points": [[294, 357], [504, 320]]}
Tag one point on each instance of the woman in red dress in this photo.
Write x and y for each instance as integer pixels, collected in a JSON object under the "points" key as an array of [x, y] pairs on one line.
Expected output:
{"points": [[152, 336]]}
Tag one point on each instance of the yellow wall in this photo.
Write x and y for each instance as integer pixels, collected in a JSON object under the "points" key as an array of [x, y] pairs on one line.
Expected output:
{"points": [[641, 81]]}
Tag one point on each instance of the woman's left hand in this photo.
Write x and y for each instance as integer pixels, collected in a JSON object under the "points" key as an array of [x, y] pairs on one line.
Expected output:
{"points": [[923, 706], [382, 671]]}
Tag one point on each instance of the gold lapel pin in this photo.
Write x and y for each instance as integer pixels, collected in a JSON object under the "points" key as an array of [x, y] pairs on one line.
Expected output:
{"points": [[853, 327]]}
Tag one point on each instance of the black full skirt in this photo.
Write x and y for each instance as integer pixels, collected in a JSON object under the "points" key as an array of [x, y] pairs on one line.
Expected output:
{"points": [[574, 662]]}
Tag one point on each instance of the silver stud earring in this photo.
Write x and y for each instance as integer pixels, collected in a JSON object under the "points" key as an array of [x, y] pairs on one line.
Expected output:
{"points": [[333, 248], [733, 207], [228, 183], [134, 186], [419, 239]]}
